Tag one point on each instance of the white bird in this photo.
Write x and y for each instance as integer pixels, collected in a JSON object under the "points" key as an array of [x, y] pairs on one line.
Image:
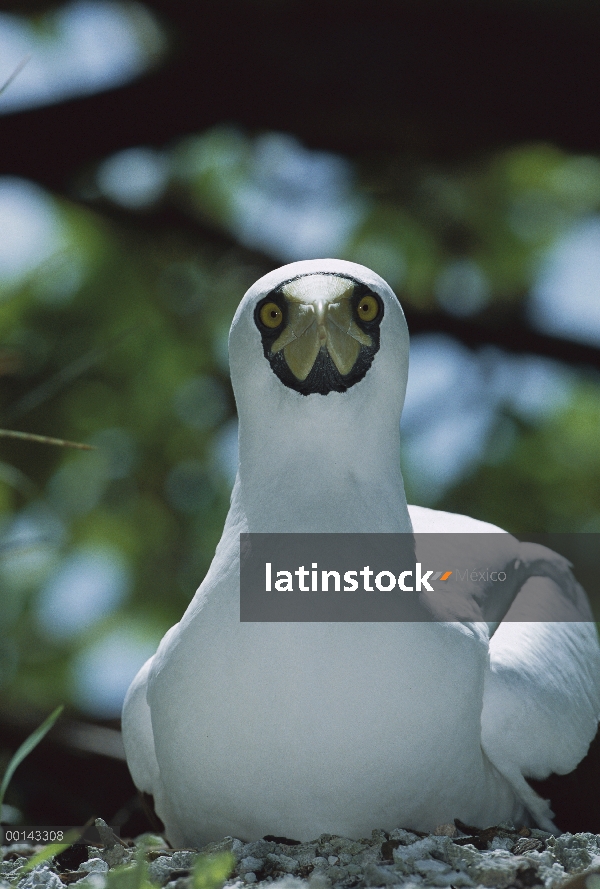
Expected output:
{"points": [[293, 729]]}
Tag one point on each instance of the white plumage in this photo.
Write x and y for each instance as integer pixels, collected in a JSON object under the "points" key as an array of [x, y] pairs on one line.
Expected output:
{"points": [[249, 729]]}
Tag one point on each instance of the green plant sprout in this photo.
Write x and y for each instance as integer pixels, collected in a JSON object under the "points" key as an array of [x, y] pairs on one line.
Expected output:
{"points": [[209, 872], [25, 749], [52, 849]]}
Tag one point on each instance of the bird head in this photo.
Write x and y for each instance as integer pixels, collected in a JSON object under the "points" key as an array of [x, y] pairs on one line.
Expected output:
{"points": [[318, 352], [320, 324]]}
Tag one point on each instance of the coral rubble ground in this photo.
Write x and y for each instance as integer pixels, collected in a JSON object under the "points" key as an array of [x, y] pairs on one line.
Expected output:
{"points": [[497, 858]]}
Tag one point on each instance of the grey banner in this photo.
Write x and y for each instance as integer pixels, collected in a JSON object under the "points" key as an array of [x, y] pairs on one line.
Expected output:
{"points": [[419, 577]]}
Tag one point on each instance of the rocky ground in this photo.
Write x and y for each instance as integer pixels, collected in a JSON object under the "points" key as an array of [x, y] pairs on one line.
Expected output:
{"points": [[455, 856]]}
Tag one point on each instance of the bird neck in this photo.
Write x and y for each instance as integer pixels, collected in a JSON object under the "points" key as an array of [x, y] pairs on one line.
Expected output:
{"points": [[337, 472]]}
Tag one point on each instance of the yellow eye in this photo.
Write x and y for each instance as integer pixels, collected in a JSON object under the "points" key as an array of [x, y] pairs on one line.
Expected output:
{"points": [[271, 315], [368, 308]]}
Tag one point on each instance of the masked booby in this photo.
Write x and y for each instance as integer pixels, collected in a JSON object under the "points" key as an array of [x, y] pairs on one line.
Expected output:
{"points": [[293, 729]]}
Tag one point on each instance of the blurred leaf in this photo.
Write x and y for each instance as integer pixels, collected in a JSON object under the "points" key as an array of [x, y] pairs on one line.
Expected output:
{"points": [[12, 476], [130, 876], [211, 871], [65, 376]]}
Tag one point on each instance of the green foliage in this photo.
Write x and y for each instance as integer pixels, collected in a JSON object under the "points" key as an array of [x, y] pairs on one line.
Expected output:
{"points": [[130, 876], [548, 479], [211, 871], [132, 362], [25, 749], [208, 872]]}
